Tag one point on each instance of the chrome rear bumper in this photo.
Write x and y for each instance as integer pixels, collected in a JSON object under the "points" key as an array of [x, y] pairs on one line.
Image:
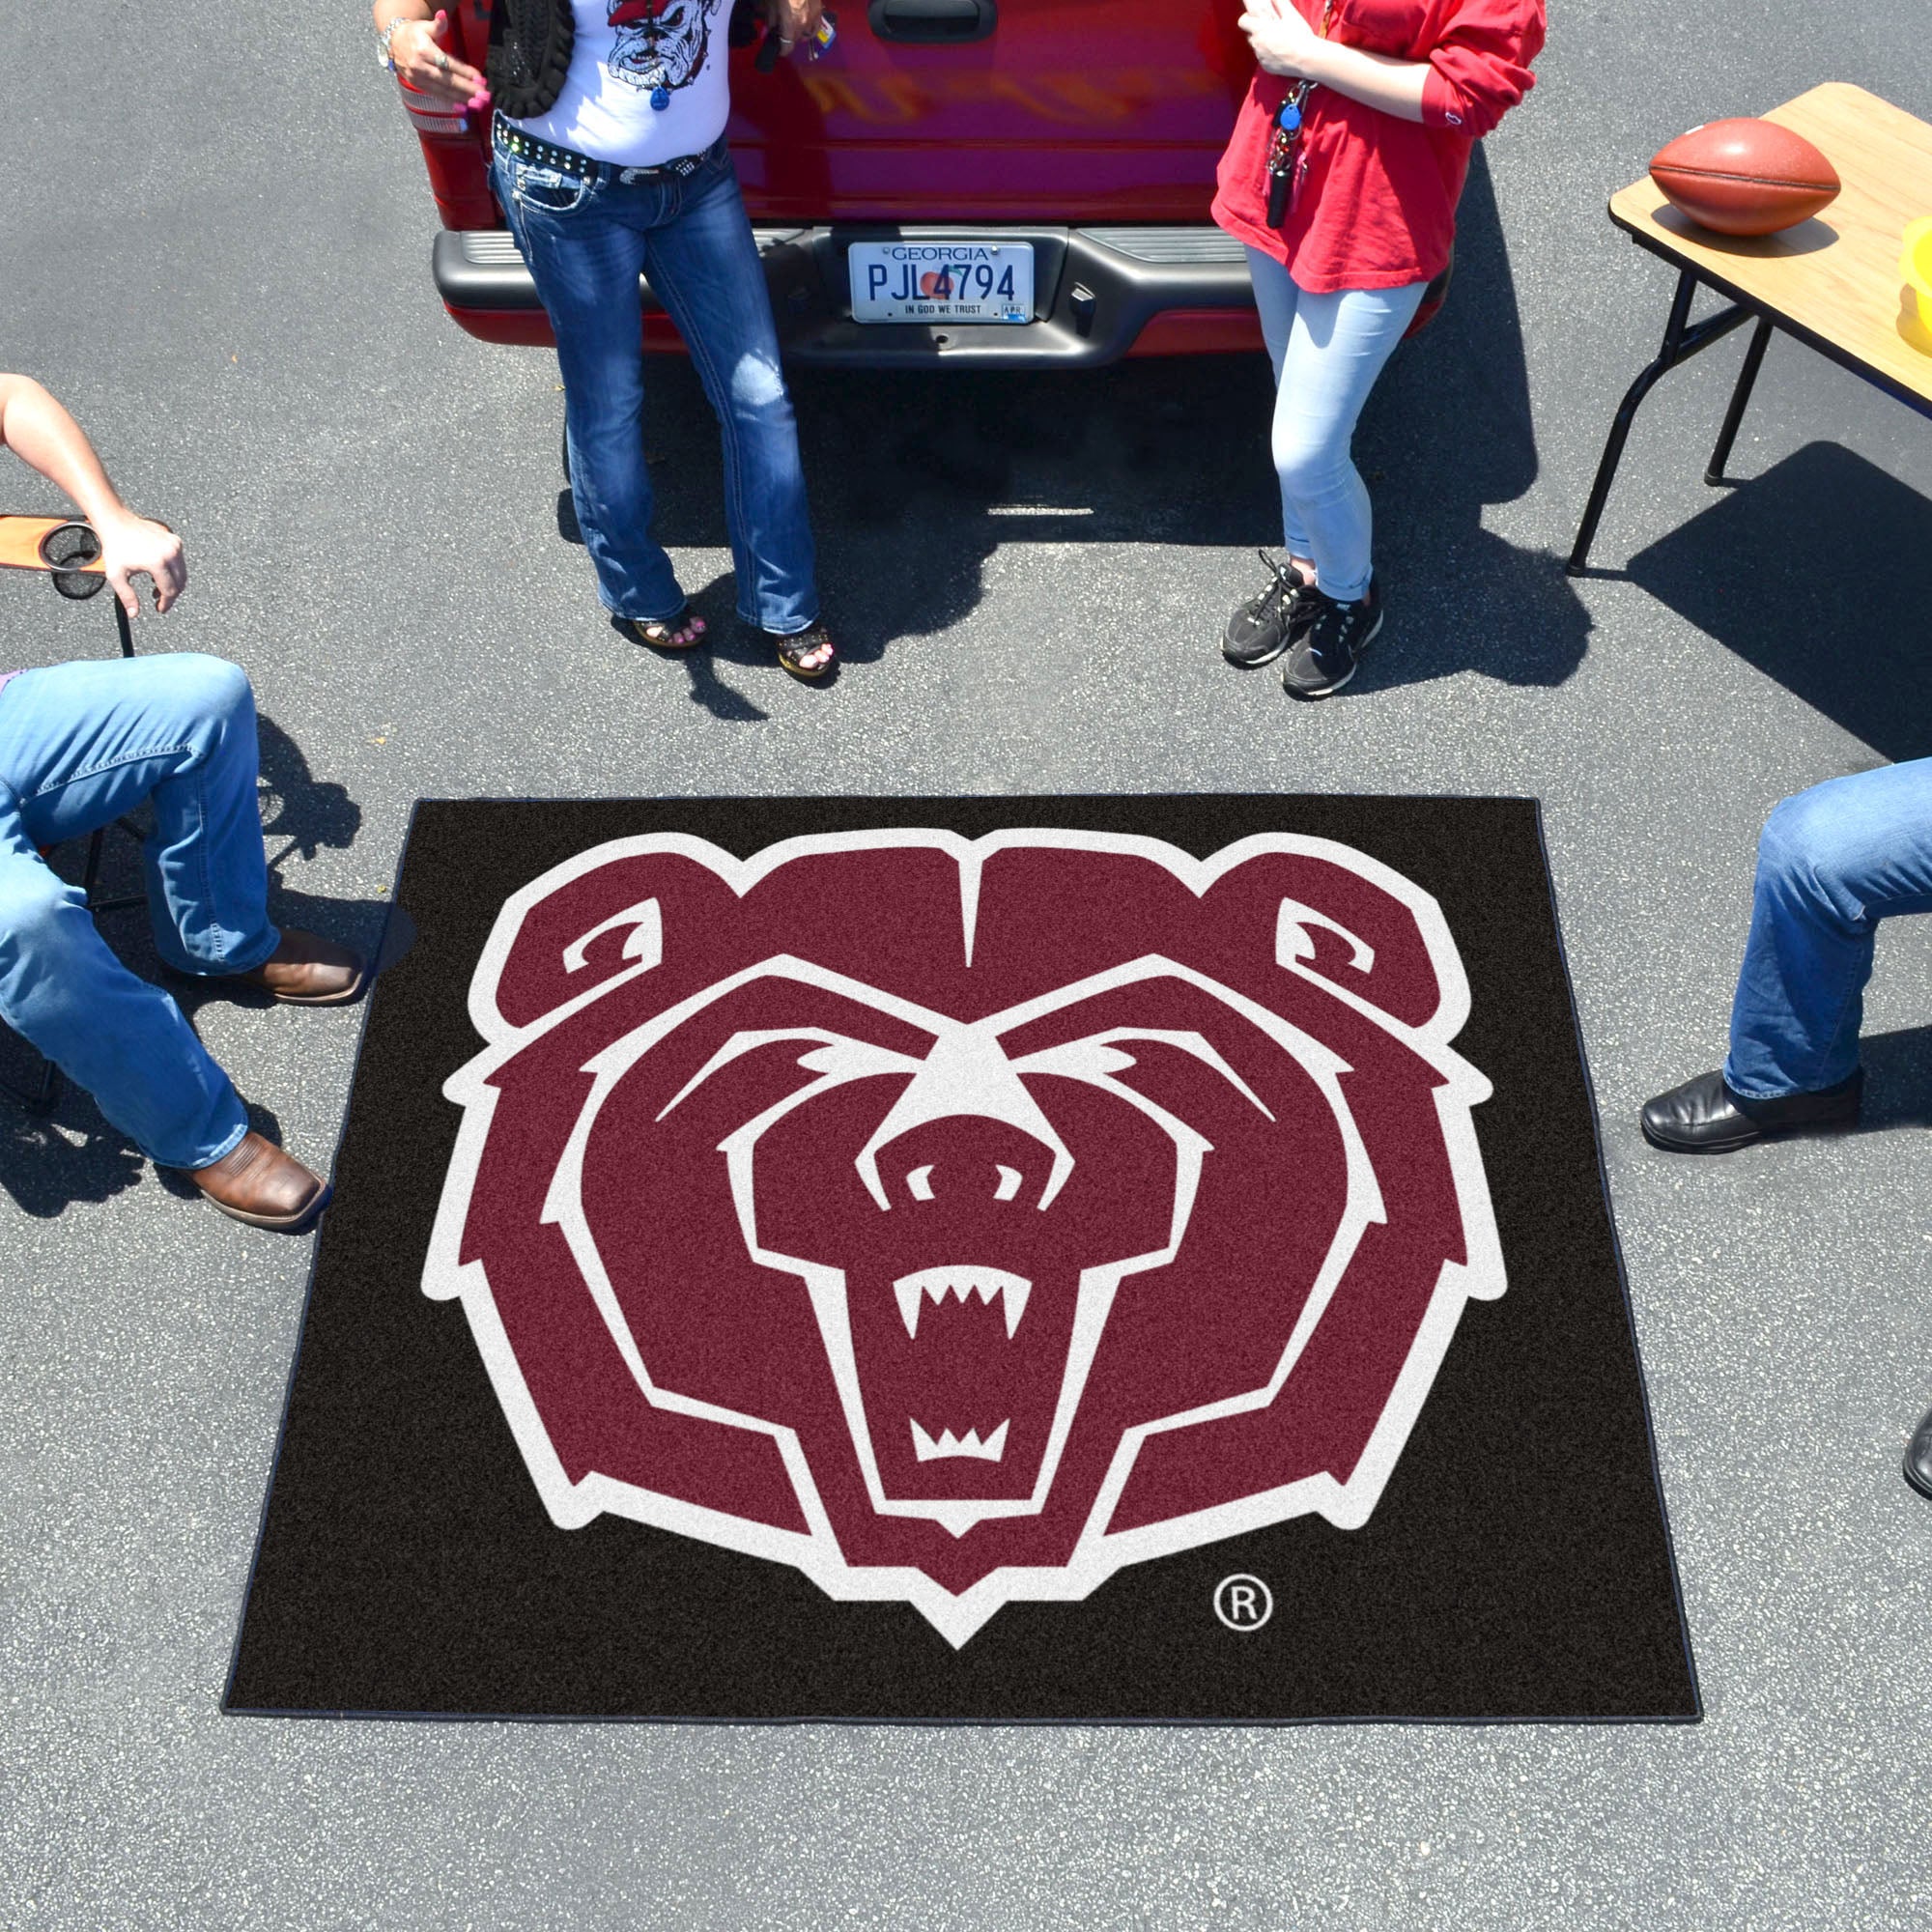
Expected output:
{"points": [[1096, 290]]}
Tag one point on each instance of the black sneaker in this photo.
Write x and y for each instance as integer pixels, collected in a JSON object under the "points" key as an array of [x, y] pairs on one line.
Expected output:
{"points": [[1326, 655], [1265, 626]]}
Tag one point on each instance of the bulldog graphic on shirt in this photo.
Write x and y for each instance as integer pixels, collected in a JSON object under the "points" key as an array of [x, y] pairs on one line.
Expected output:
{"points": [[660, 44]]}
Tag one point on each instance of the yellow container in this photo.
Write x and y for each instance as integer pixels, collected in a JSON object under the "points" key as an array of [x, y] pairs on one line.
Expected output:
{"points": [[1915, 266]]}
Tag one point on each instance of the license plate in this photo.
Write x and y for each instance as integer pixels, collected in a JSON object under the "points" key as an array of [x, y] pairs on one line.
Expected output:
{"points": [[941, 281]]}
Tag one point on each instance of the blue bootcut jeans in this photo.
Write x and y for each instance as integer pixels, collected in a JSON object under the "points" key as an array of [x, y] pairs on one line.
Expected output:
{"points": [[586, 242], [80, 745], [1832, 862]]}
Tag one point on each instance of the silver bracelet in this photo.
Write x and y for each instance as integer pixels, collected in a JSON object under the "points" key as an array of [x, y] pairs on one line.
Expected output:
{"points": [[383, 56]]}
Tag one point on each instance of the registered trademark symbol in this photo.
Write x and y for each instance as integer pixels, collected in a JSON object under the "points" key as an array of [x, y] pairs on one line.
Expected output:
{"points": [[1244, 1602]]}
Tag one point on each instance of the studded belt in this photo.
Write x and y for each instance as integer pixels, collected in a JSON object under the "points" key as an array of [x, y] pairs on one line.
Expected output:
{"points": [[568, 162]]}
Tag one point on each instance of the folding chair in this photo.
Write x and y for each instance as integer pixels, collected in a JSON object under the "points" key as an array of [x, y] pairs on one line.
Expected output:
{"points": [[68, 553]]}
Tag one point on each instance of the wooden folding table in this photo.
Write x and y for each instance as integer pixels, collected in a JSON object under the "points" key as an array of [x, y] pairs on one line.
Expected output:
{"points": [[1833, 282]]}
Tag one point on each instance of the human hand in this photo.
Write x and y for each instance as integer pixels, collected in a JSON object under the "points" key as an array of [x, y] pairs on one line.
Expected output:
{"points": [[1284, 42], [794, 23], [131, 546], [420, 51]]}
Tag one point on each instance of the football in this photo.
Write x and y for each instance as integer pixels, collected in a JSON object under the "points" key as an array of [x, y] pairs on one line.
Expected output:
{"points": [[1744, 177]]}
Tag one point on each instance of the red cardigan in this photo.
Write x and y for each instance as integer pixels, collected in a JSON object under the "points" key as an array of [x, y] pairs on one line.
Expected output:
{"points": [[1375, 199]]}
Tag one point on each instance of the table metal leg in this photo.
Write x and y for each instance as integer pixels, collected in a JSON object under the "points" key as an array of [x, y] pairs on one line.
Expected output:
{"points": [[1740, 397], [44, 1096], [1682, 340], [39, 1098]]}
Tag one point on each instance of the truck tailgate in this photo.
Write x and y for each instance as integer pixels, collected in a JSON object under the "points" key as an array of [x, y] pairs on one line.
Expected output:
{"points": [[1085, 133], [1066, 111]]}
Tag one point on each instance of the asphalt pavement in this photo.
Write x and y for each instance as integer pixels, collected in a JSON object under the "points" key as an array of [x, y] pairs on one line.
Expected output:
{"points": [[214, 245]]}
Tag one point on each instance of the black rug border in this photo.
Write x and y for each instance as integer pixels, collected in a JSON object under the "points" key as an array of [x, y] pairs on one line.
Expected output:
{"points": [[1695, 1716]]}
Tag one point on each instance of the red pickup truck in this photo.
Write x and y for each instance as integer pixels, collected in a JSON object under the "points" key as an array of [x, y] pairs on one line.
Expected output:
{"points": [[1048, 164]]}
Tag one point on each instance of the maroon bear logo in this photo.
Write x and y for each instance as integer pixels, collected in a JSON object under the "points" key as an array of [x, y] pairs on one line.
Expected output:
{"points": [[960, 1220]]}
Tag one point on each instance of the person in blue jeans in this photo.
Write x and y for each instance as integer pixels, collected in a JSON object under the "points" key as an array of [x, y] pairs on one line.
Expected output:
{"points": [[81, 745], [608, 160], [1340, 178], [1832, 862]]}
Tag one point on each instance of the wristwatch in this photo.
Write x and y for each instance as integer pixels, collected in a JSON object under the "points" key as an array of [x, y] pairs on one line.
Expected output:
{"points": [[386, 59]]}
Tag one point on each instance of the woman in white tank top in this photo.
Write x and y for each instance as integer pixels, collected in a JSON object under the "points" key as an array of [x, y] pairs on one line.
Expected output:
{"points": [[609, 163]]}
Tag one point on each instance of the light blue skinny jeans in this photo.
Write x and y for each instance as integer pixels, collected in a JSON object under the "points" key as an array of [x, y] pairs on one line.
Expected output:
{"points": [[1327, 351], [585, 244], [81, 744], [1832, 862]]}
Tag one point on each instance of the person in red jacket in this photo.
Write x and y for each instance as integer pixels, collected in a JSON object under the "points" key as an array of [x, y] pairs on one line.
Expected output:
{"points": [[1342, 179]]}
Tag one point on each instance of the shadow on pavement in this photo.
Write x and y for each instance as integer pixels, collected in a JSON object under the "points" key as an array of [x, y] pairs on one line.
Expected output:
{"points": [[1448, 432], [1898, 1079], [46, 1163], [307, 812], [1849, 640], [916, 476]]}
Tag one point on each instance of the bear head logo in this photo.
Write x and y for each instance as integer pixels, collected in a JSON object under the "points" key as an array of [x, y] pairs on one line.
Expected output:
{"points": [[959, 1220]]}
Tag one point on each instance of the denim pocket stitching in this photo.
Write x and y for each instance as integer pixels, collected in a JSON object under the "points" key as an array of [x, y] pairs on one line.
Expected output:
{"points": [[545, 179]]}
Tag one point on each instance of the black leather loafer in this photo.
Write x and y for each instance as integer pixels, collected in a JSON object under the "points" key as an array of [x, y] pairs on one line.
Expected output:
{"points": [[1918, 1455], [1703, 1116]]}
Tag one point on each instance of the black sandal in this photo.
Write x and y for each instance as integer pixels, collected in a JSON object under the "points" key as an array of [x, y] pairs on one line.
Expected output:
{"points": [[661, 633], [795, 648]]}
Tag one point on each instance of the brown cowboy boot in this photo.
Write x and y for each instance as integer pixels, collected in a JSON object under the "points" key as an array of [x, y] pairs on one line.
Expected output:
{"points": [[306, 970], [255, 1182]]}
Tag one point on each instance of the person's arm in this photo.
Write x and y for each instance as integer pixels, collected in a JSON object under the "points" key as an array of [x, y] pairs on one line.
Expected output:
{"points": [[1284, 43], [1478, 73], [45, 438], [420, 49], [794, 23]]}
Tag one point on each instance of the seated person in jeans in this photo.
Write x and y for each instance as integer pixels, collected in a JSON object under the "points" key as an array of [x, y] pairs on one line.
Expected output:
{"points": [[1832, 862], [80, 745]]}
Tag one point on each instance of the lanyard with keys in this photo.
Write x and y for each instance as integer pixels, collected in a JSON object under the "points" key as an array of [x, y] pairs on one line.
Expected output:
{"points": [[1286, 137]]}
